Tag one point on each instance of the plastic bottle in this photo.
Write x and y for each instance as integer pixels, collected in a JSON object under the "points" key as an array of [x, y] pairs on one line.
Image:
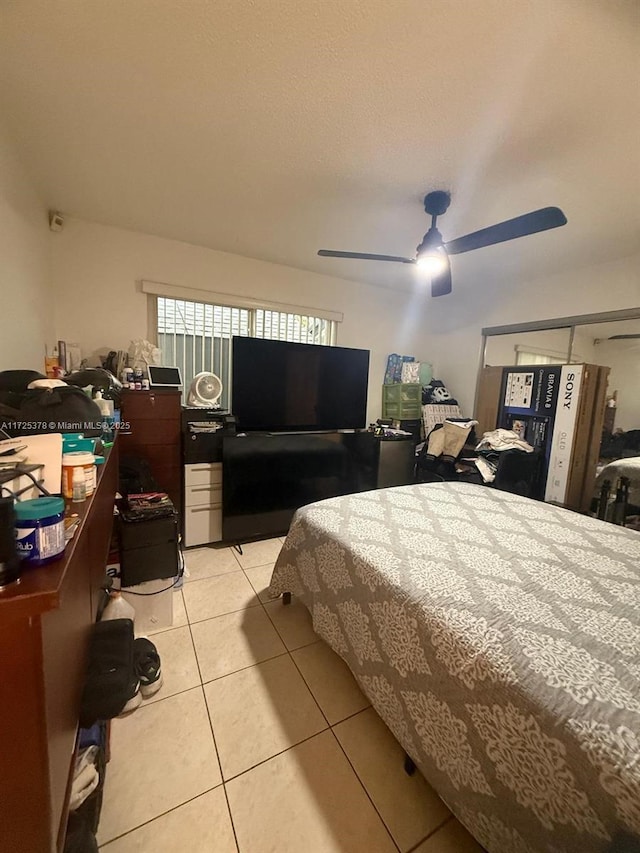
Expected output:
{"points": [[78, 485], [105, 406], [118, 608]]}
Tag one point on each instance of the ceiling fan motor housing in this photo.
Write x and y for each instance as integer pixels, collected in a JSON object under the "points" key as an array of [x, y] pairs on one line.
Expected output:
{"points": [[431, 242], [437, 202]]}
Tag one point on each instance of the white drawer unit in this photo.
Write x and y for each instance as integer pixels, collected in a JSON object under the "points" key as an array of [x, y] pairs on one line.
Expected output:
{"points": [[202, 524], [203, 474], [202, 503], [201, 495]]}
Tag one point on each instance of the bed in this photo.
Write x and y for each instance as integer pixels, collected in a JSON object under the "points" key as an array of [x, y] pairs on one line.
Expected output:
{"points": [[499, 639]]}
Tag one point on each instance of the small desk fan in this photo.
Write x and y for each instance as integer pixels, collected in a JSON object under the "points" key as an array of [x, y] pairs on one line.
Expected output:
{"points": [[205, 391]]}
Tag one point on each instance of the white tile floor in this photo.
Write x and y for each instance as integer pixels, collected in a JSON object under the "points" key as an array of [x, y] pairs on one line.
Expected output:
{"points": [[260, 739]]}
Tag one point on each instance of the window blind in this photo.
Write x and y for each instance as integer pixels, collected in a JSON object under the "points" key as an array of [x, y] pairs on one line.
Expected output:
{"points": [[196, 336]]}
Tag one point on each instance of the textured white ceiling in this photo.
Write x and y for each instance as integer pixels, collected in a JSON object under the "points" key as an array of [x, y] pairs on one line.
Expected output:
{"points": [[271, 128]]}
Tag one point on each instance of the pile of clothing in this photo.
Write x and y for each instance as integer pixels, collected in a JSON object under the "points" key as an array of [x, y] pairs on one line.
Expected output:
{"points": [[491, 448], [444, 444]]}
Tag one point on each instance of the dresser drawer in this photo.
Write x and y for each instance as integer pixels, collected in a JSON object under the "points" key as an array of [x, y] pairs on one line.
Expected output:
{"points": [[202, 524], [151, 406], [203, 474], [202, 495], [145, 433]]}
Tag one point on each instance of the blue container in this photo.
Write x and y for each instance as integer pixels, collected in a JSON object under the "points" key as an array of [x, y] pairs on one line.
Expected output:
{"points": [[40, 530]]}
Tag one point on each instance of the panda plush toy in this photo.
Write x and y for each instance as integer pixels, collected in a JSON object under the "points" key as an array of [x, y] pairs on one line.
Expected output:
{"points": [[435, 394]]}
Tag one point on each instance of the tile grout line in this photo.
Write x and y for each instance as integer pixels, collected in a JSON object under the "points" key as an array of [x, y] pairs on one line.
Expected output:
{"points": [[362, 785], [206, 705], [243, 668], [201, 686], [364, 788], [162, 814], [226, 613], [146, 704], [329, 729], [306, 684], [330, 726], [215, 745], [351, 716], [275, 755], [432, 833], [289, 652], [213, 736]]}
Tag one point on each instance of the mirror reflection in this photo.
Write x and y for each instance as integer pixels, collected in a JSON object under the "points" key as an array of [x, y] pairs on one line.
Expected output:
{"points": [[616, 345], [548, 346]]}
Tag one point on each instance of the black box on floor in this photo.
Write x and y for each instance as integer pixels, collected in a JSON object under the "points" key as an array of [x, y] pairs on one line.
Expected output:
{"points": [[148, 550]]}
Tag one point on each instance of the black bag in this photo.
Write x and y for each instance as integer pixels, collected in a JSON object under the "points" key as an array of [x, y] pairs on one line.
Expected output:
{"points": [[61, 409], [79, 837], [110, 671]]}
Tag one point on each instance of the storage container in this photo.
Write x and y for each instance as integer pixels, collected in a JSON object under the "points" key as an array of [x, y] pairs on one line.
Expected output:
{"points": [[40, 529], [153, 603], [402, 400]]}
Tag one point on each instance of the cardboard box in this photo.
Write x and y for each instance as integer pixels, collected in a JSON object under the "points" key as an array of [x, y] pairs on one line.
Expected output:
{"points": [[559, 410]]}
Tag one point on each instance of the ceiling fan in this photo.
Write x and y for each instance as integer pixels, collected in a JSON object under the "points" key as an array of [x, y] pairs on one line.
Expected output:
{"points": [[433, 253]]}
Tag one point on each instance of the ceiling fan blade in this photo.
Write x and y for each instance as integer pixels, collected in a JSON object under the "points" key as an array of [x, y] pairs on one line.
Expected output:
{"points": [[329, 253], [521, 226], [441, 283]]}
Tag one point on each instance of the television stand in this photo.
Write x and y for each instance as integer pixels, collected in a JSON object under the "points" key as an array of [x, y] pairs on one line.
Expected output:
{"points": [[267, 477], [300, 432]]}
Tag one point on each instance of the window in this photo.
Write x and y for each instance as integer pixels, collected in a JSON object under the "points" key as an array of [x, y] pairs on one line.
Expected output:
{"points": [[196, 336], [533, 355], [538, 358]]}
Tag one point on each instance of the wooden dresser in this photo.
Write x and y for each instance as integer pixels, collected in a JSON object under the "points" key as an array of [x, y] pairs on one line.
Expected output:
{"points": [[151, 430], [45, 623]]}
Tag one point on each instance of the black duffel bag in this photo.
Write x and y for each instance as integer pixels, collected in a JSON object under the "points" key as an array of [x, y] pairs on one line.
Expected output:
{"points": [[110, 671], [62, 409]]}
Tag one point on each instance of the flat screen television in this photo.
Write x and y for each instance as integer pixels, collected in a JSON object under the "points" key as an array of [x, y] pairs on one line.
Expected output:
{"points": [[288, 387]]}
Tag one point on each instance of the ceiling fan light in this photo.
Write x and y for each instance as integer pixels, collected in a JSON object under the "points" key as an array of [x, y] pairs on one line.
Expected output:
{"points": [[432, 263]]}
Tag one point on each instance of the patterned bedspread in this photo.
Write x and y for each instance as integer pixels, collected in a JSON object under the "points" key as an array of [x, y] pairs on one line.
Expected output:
{"points": [[499, 639]]}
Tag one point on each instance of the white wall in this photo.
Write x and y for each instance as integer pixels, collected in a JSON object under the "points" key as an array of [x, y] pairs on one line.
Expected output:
{"points": [[25, 299], [99, 305], [453, 324]]}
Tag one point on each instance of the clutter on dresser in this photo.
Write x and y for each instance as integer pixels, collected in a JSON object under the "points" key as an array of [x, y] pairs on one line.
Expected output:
{"points": [[63, 358], [40, 536]]}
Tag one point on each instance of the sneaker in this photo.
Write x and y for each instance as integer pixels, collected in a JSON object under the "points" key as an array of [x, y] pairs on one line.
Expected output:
{"points": [[146, 662], [134, 698]]}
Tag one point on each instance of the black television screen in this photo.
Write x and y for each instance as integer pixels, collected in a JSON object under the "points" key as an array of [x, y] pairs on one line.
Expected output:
{"points": [[279, 386]]}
